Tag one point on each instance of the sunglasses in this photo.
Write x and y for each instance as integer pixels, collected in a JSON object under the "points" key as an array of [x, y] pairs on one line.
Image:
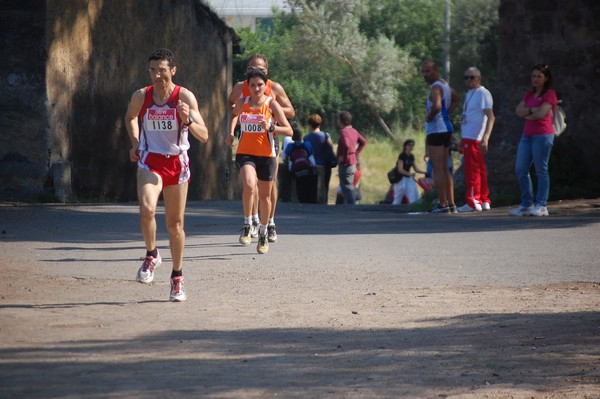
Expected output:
{"points": [[470, 77]]}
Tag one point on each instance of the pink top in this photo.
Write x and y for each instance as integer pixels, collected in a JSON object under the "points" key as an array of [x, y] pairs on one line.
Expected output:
{"points": [[347, 145], [539, 126]]}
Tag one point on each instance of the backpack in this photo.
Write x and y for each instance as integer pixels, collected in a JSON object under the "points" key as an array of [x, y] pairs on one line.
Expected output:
{"points": [[300, 164], [558, 120]]}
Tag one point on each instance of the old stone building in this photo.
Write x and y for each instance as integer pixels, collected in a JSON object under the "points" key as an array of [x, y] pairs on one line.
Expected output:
{"points": [[70, 68], [566, 36]]}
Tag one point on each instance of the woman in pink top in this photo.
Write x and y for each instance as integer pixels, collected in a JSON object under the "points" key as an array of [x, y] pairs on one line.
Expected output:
{"points": [[535, 146]]}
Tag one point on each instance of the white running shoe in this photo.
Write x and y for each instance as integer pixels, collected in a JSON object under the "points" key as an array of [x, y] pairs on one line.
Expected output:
{"points": [[486, 206], [521, 211], [539, 210], [263, 244], [146, 272], [467, 208], [254, 229], [246, 235], [271, 233], [177, 290]]}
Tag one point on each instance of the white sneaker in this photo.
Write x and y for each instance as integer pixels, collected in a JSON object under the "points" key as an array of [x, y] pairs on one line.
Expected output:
{"points": [[539, 210], [177, 290], [246, 235], [521, 211], [486, 206], [271, 233], [467, 208], [254, 229], [263, 244], [145, 273]]}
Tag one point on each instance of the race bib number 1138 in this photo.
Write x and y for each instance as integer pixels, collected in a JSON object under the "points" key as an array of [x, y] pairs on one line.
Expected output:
{"points": [[163, 120]]}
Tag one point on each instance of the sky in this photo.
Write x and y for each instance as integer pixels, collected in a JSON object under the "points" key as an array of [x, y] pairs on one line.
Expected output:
{"points": [[243, 6]]}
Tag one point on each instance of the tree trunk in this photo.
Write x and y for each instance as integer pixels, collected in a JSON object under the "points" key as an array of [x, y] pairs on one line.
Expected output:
{"points": [[384, 125]]}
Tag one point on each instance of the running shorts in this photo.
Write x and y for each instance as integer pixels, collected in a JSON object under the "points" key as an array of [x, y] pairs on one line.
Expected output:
{"points": [[173, 169], [439, 139], [265, 166]]}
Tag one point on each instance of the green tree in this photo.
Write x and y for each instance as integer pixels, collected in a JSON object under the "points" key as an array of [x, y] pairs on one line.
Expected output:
{"points": [[312, 83], [474, 39], [365, 55], [416, 26], [376, 68]]}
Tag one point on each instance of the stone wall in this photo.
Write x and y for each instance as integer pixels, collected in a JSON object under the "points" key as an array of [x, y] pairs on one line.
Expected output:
{"points": [[23, 115], [80, 67], [566, 36]]}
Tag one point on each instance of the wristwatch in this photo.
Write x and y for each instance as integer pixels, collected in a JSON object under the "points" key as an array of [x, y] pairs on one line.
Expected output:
{"points": [[271, 128], [190, 122]]}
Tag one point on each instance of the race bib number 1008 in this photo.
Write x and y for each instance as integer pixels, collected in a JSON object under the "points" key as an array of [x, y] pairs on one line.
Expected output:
{"points": [[251, 123], [163, 120]]}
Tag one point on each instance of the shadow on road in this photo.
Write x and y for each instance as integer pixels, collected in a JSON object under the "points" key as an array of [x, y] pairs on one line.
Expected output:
{"points": [[120, 223], [458, 354]]}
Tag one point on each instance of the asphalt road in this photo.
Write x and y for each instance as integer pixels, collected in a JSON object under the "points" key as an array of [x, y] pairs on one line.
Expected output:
{"points": [[426, 250], [351, 302]]}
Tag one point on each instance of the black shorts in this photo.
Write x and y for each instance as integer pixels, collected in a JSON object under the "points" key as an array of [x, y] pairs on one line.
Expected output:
{"points": [[265, 166], [438, 139]]}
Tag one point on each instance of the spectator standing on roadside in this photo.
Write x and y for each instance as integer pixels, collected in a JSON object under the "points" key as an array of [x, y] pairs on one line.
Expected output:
{"points": [[350, 145], [536, 143], [441, 101], [477, 123], [324, 155], [299, 156]]}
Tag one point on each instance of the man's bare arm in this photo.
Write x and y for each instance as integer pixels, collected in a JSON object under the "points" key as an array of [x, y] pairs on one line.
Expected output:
{"points": [[436, 100], [189, 107], [283, 100], [131, 122], [235, 93]]}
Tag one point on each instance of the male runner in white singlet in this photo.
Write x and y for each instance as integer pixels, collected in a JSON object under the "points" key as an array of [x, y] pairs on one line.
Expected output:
{"points": [[158, 120]]}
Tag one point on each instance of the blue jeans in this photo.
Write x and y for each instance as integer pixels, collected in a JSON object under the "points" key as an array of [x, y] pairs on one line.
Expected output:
{"points": [[347, 182], [534, 150]]}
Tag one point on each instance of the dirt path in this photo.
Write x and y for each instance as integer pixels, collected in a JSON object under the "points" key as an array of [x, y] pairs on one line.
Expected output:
{"points": [[364, 302]]}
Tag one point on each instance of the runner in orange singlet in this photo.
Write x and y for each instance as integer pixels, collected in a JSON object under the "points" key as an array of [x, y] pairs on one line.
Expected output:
{"points": [[275, 90], [256, 156]]}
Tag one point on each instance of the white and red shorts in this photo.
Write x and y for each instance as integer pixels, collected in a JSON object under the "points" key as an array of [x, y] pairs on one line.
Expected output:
{"points": [[173, 169]]}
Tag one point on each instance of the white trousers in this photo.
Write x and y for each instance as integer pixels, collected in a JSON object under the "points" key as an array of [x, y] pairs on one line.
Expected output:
{"points": [[405, 187]]}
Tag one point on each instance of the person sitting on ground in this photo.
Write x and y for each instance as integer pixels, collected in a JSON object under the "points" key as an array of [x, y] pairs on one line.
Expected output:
{"points": [[406, 186]]}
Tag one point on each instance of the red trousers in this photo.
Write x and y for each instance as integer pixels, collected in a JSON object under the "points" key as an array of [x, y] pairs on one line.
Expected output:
{"points": [[475, 173]]}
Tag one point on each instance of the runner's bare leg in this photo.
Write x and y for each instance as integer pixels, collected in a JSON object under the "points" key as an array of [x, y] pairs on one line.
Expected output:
{"points": [[149, 186], [175, 199]]}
